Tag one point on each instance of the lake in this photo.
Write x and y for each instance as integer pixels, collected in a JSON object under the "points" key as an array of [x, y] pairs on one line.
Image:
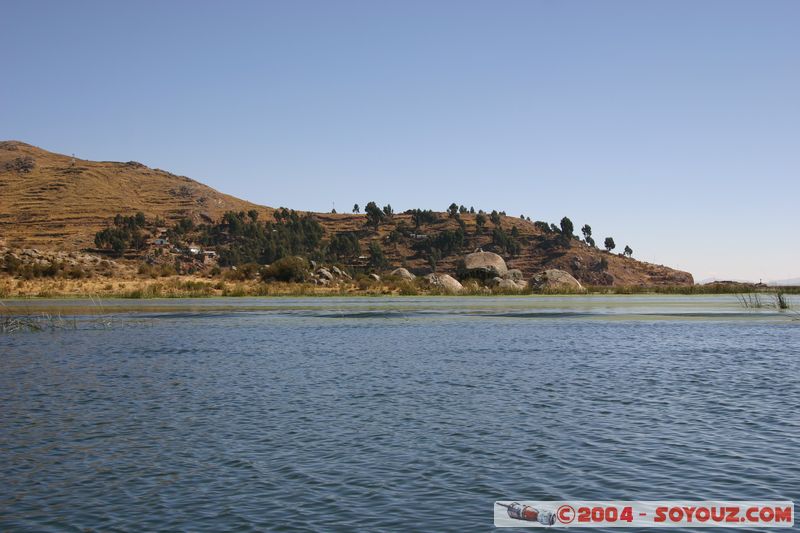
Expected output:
{"points": [[365, 414]]}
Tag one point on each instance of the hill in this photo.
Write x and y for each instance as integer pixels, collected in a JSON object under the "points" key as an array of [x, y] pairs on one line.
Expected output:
{"points": [[53, 201]]}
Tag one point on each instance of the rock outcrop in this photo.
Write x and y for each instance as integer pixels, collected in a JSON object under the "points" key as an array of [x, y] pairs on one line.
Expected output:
{"points": [[556, 280], [514, 274], [444, 282], [403, 273], [484, 265], [341, 273], [324, 273]]}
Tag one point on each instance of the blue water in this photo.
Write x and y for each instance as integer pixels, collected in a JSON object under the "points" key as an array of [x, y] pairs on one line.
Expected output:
{"points": [[389, 414]]}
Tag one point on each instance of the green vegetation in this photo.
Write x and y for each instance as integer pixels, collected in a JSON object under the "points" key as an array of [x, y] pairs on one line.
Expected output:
{"points": [[507, 243], [376, 257], [567, 229], [127, 232], [609, 244], [375, 214], [241, 238], [445, 243], [587, 235], [22, 165], [480, 221], [421, 217], [291, 268], [343, 246]]}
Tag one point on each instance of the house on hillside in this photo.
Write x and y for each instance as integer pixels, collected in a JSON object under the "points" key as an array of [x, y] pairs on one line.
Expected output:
{"points": [[209, 257]]}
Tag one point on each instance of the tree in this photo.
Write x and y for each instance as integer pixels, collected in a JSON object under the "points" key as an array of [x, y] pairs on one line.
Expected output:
{"points": [[452, 211], [118, 245], [609, 243], [140, 220], [567, 228], [374, 214], [376, 257], [628, 251], [480, 221], [388, 211], [433, 258], [495, 218], [253, 214], [505, 241], [343, 245], [462, 210], [587, 235], [422, 217], [471, 210], [356, 209]]}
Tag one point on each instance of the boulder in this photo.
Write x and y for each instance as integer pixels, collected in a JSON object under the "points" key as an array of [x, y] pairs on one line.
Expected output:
{"points": [[403, 273], [514, 274], [556, 280], [324, 273], [485, 265], [508, 285], [445, 282], [339, 272]]}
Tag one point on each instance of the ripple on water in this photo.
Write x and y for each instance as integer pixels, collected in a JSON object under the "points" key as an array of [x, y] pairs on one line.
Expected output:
{"points": [[267, 420]]}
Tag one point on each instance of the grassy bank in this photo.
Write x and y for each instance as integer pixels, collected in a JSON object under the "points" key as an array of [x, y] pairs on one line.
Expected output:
{"points": [[198, 287]]}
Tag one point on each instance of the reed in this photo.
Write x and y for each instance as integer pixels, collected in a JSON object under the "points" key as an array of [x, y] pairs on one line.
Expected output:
{"points": [[750, 300], [780, 299]]}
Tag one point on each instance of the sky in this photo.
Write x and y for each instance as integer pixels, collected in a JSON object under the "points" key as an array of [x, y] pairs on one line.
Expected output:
{"points": [[672, 126]]}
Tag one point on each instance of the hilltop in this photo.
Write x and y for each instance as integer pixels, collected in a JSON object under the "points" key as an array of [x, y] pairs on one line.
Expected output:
{"points": [[52, 201]]}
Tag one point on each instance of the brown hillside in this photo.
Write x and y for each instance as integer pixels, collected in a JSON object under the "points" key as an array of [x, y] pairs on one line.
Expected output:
{"points": [[540, 251], [61, 202], [58, 202]]}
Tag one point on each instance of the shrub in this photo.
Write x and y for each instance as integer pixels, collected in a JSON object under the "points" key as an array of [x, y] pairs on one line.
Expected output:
{"points": [[23, 165], [292, 268]]}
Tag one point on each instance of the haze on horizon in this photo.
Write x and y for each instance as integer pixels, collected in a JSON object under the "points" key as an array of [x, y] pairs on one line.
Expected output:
{"points": [[673, 127]]}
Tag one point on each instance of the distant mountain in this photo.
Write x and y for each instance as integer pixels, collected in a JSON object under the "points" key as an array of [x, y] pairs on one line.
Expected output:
{"points": [[49, 200], [706, 281], [777, 282]]}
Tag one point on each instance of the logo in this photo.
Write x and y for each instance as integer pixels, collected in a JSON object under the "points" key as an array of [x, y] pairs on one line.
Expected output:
{"points": [[683, 514]]}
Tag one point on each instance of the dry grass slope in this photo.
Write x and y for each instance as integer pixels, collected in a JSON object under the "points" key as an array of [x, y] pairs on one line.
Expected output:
{"points": [[61, 202]]}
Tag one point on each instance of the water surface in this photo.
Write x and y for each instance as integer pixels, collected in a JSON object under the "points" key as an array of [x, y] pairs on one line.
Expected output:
{"points": [[389, 413]]}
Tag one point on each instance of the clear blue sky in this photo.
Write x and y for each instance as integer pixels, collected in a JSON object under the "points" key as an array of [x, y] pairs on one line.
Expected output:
{"points": [[673, 126]]}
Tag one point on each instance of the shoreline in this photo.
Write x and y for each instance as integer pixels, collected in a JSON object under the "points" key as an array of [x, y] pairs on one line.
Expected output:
{"points": [[203, 287]]}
